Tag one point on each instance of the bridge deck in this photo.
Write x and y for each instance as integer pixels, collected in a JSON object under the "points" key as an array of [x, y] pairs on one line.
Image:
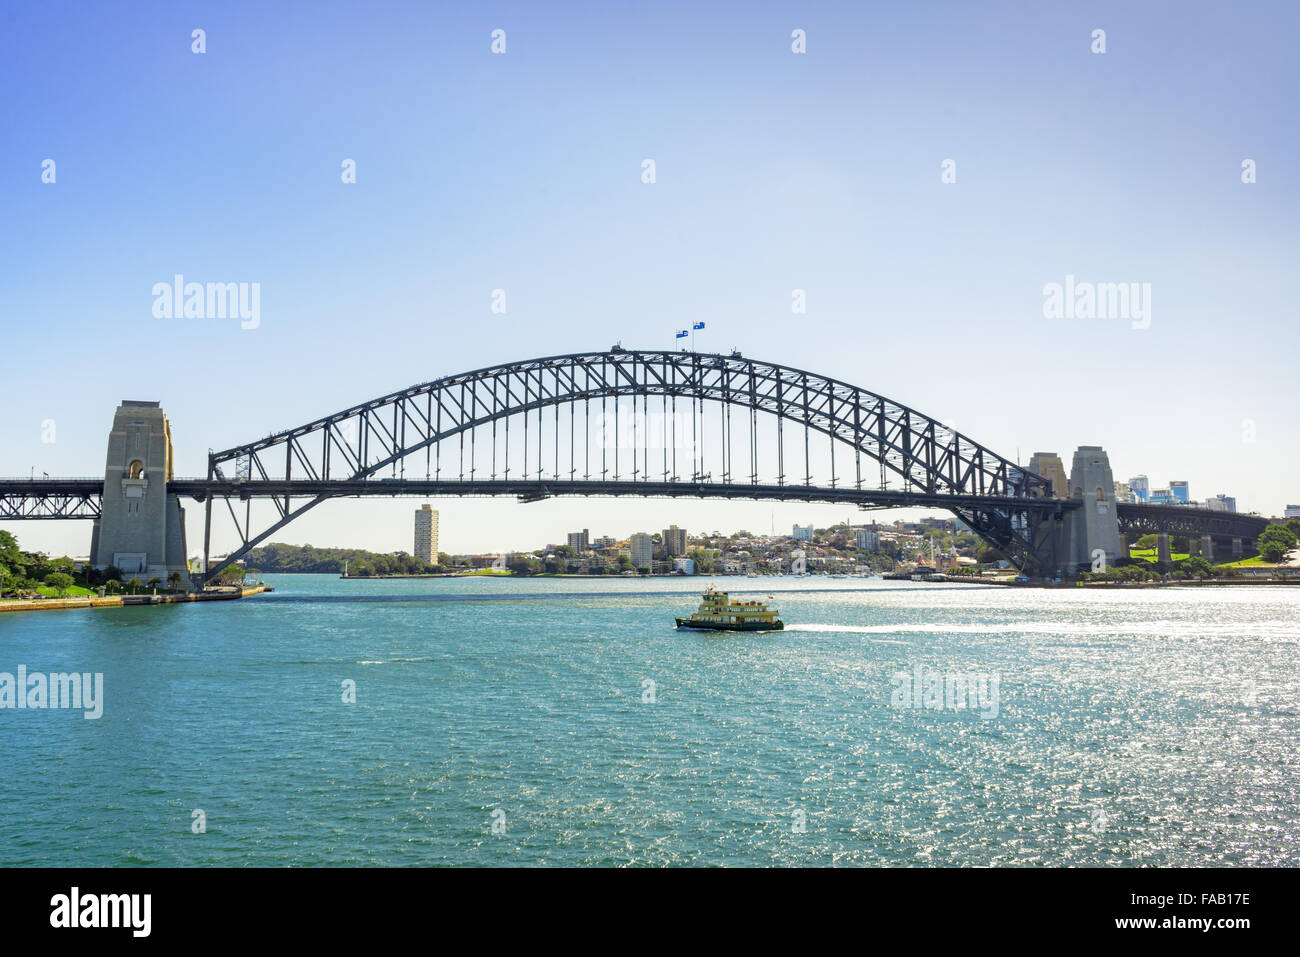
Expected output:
{"points": [[85, 492], [532, 489]]}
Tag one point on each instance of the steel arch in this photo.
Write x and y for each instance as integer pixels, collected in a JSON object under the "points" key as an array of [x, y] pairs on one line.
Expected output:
{"points": [[924, 453], [919, 454]]}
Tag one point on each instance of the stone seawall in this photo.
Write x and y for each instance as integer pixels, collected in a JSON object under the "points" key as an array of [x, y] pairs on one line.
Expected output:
{"points": [[120, 601]]}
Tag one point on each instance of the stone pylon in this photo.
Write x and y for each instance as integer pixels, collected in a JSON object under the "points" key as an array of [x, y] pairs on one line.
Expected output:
{"points": [[1094, 533], [141, 528], [1050, 467]]}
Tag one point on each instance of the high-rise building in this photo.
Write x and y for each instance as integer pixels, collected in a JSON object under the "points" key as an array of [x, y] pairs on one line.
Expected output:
{"points": [[868, 539], [1178, 492], [803, 533], [674, 542], [1140, 486], [641, 549], [1221, 503], [426, 534], [1161, 496], [1292, 511], [1050, 467], [1122, 492], [580, 541]]}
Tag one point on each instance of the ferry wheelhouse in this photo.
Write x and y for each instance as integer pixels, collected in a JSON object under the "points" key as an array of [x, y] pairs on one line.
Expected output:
{"points": [[717, 612]]}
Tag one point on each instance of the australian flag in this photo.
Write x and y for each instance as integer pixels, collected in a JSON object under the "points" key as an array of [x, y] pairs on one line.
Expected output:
{"points": [[698, 325], [683, 334]]}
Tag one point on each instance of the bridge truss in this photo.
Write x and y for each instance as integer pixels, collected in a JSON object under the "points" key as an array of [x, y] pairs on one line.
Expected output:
{"points": [[627, 422], [49, 498], [1143, 518]]}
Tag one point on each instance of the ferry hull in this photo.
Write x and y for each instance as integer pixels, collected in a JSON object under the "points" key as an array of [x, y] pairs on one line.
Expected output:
{"points": [[738, 626]]}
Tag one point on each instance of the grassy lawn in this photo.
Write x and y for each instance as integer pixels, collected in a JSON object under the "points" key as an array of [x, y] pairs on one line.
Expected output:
{"points": [[76, 591], [1150, 554], [1256, 560]]}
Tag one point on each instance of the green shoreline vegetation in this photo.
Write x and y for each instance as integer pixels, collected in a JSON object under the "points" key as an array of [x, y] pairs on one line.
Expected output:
{"points": [[36, 575], [1143, 565], [559, 561], [555, 561]]}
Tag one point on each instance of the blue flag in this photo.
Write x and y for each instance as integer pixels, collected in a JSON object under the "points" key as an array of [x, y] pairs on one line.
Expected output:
{"points": [[698, 325], [683, 334]]}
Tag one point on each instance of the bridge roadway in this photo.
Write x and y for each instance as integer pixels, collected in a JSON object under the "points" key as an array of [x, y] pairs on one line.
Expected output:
{"points": [[21, 498], [71, 498]]}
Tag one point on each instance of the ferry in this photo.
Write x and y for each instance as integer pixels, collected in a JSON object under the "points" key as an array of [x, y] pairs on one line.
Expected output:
{"points": [[719, 613]]}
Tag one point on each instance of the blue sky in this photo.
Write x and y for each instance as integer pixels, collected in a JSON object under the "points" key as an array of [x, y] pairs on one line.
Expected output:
{"points": [[774, 172]]}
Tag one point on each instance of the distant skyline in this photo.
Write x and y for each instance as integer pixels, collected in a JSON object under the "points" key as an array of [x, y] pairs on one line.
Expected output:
{"points": [[775, 173]]}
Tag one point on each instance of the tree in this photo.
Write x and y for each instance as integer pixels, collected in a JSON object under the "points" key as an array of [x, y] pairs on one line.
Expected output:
{"points": [[1279, 533], [1275, 542], [230, 575], [18, 563], [112, 586], [703, 561], [59, 581], [1135, 573], [174, 581], [1147, 541], [9, 553], [524, 565], [1194, 567], [154, 582], [1272, 550], [133, 584]]}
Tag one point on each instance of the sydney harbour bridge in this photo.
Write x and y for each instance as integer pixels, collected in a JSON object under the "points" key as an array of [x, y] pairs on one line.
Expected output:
{"points": [[621, 422]]}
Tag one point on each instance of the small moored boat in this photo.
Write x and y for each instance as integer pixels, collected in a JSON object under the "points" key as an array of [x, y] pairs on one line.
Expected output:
{"points": [[717, 612]]}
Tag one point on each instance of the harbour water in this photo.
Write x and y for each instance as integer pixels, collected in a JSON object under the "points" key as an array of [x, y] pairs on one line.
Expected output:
{"points": [[565, 722]]}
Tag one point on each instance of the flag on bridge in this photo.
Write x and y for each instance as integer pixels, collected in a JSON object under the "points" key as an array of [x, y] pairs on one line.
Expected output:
{"points": [[698, 325], [683, 334]]}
